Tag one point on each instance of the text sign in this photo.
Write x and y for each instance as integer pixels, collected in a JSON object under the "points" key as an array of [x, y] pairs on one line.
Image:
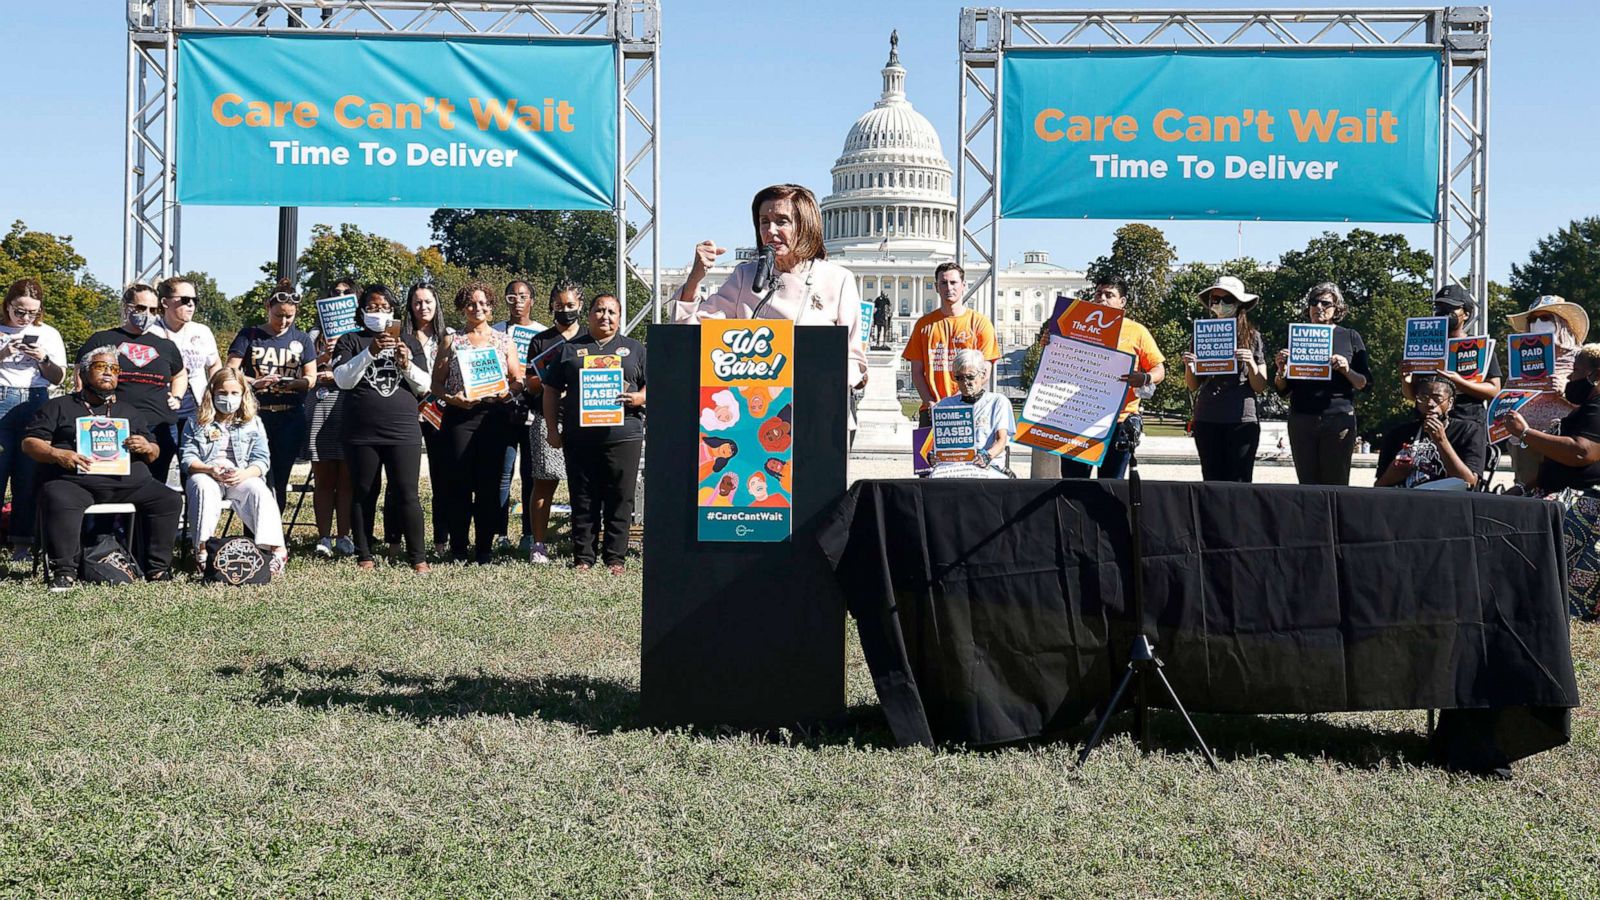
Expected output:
{"points": [[1469, 357], [955, 435], [336, 316], [322, 120], [746, 442], [1310, 348], [1215, 345], [1531, 360], [1076, 397], [600, 387], [1505, 402], [1427, 346], [1301, 135], [482, 372], [102, 439]]}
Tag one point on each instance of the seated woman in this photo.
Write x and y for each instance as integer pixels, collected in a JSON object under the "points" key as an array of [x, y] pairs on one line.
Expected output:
{"points": [[226, 457], [1572, 455], [992, 419], [1433, 451]]}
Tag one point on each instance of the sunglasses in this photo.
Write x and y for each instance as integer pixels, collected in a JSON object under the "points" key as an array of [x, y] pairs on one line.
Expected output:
{"points": [[99, 367], [1323, 304], [26, 313], [181, 300], [966, 379]]}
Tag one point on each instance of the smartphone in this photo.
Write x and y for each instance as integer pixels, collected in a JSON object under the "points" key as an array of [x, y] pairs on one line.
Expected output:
{"points": [[28, 340], [393, 330]]}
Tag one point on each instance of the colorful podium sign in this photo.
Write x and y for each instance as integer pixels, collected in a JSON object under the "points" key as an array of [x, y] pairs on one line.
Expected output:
{"points": [[746, 463]]}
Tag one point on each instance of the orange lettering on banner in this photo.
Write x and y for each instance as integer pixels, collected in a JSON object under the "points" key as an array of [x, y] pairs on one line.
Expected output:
{"points": [[1091, 323]]}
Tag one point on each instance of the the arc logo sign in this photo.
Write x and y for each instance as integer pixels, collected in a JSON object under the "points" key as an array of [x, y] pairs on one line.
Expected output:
{"points": [[321, 120], [1297, 135]]}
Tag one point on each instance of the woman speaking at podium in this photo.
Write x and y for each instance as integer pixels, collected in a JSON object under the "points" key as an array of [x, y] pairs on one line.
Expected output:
{"points": [[790, 279]]}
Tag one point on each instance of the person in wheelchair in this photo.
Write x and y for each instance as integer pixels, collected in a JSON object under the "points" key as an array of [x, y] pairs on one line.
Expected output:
{"points": [[1435, 451], [52, 439], [992, 420]]}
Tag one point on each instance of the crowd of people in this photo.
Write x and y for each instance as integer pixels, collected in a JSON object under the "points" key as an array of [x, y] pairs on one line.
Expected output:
{"points": [[366, 406]]}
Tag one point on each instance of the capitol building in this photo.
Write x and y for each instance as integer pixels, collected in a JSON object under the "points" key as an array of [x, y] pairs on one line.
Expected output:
{"points": [[891, 218]]}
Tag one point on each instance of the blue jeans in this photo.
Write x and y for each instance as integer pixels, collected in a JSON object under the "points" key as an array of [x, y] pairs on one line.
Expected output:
{"points": [[17, 408]]}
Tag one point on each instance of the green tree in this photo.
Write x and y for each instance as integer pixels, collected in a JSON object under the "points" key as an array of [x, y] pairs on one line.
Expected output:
{"points": [[1141, 256], [212, 307], [74, 302], [1566, 263]]}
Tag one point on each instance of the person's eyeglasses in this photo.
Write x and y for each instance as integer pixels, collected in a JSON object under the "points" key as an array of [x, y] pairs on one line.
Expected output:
{"points": [[1323, 304], [144, 309], [26, 313], [181, 300], [966, 379], [97, 368]]}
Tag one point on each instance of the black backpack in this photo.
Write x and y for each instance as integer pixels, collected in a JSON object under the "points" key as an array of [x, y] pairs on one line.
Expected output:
{"points": [[236, 561], [108, 562]]}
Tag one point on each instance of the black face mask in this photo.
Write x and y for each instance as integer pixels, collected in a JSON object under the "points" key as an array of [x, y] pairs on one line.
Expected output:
{"points": [[1578, 390], [565, 317]]}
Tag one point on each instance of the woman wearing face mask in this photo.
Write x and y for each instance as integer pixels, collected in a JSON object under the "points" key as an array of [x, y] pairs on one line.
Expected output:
{"points": [[425, 323], [376, 368], [1322, 413], [1569, 323], [476, 431], [227, 457], [992, 418], [521, 327], [566, 309], [1571, 449], [1227, 424], [33, 359]]}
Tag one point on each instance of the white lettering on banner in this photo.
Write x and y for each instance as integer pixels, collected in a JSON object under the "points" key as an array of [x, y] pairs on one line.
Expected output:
{"points": [[455, 155], [1276, 167]]}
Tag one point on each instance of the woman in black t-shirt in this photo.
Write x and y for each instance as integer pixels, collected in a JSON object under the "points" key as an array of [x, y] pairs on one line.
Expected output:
{"points": [[377, 369], [1572, 456], [1227, 422], [1322, 413]]}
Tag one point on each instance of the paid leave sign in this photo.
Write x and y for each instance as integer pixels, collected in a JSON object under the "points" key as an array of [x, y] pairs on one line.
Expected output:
{"points": [[325, 120], [1302, 135], [746, 446]]}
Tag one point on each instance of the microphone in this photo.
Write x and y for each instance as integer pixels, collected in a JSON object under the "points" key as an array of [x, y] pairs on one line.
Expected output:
{"points": [[765, 261]]}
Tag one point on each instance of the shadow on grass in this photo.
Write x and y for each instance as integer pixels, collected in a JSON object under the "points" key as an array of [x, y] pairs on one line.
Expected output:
{"points": [[598, 705]]}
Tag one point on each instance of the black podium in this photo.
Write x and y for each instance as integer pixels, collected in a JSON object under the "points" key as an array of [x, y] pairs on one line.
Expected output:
{"points": [[748, 635]]}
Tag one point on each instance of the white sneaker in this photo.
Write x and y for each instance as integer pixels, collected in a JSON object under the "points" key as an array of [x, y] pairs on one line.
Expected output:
{"points": [[280, 561], [324, 548], [537, 555], [345, 546]]}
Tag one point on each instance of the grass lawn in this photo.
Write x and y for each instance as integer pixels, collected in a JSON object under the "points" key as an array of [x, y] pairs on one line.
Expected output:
{"points": [[472, 734]]}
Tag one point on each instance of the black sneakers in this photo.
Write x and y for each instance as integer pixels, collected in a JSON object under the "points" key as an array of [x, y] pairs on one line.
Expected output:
{"points": [[62, 582]]}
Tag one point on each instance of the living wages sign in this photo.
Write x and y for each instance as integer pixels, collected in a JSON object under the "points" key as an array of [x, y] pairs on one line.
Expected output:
{"points": [[1304, 135], [309, 120]]}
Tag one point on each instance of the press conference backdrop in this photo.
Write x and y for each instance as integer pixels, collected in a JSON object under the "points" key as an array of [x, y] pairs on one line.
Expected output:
{"points": [[311, 120], [1305, 135]]}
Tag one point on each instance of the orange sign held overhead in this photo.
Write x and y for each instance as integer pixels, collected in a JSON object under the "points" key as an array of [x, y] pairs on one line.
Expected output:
{"points": [[1089, 322]]}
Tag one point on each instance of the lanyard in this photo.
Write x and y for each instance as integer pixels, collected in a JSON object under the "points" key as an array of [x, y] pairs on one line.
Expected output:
{"points": [[111, 400]]}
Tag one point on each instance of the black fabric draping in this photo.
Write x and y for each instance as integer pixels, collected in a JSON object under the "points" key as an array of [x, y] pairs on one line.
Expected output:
{"points": [[997, 611]]}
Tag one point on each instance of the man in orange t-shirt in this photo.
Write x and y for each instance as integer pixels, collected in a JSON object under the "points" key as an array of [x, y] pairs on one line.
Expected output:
{"points": [[933, 343]]}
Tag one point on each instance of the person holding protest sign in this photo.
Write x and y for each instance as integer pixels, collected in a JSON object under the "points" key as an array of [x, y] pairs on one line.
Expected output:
{"points": [[1434, 451], [520, 325], [55, 438], [993, 421], [602, 459], [549, 468], [226, 456], [331, 491], [1322, 412], [153, 377], [1227, 423], [1571, 448], [1568, 323], [804, 287], [33, 359], [195, 343], [476, 374], [1454, 303], [278, 359], [1149, 371], [425, 323], [376, 368], [939, 335]]}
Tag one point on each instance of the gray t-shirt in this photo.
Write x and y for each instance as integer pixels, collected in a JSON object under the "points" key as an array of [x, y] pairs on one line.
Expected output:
{"points": [[1229, 399]]}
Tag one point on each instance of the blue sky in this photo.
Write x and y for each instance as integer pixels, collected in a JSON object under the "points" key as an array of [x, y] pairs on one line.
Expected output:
{"points": [[755, 93]]}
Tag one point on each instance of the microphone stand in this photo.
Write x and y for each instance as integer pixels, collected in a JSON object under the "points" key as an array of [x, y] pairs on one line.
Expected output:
{"points": [[1143, 663]]}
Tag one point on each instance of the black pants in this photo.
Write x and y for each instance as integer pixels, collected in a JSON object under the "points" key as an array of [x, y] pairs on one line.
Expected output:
{"points": [[475, 441], [1227, 450], [167, 444], [1115, 465], [601, 479], [286, 434], [438, 466], [62, 502], [1322, 445], [403, 464]]}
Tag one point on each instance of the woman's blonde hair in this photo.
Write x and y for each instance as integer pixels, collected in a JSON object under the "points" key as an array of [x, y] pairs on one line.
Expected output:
{"points": [[247, 406]]}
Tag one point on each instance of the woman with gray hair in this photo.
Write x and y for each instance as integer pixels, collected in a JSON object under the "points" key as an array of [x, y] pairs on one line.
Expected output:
{"points": [[1322, 412], [993, 422]]}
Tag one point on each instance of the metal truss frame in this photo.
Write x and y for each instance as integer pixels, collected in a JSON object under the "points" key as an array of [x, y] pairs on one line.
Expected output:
{"points": [[1460, 34], [152, 220]]}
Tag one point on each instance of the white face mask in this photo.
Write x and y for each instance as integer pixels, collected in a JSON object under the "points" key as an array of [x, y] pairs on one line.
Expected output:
{"points": [[1224, 309], [1543, 326], [377, 321], [227, 404]]}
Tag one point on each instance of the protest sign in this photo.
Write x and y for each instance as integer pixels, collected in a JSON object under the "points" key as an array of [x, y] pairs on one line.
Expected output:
{"points": [[1531, 360], [1427, 346], [482, 372], [1310, 348], [102, 439], [600, 387], [921, 450], [746, 452], [1504, 402], [1075, 400], [955, 437], [336, 316], [1088, 321], [520, 336], [1215, 344], [1469, 357]]}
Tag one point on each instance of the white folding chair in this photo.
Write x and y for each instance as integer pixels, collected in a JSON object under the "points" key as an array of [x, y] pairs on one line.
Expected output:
{"points": [[98, 509]]}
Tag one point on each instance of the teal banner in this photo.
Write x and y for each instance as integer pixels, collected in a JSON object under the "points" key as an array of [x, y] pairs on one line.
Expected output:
{"points": [[304, 120], [1302, 135]]}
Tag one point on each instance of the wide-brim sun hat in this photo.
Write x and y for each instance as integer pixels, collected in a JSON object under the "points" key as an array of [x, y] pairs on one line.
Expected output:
{"points": [[1571, 313], [1234, 288]]}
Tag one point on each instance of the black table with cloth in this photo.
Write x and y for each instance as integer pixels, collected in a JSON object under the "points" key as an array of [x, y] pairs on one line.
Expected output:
{"points": [[992, 612]]}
